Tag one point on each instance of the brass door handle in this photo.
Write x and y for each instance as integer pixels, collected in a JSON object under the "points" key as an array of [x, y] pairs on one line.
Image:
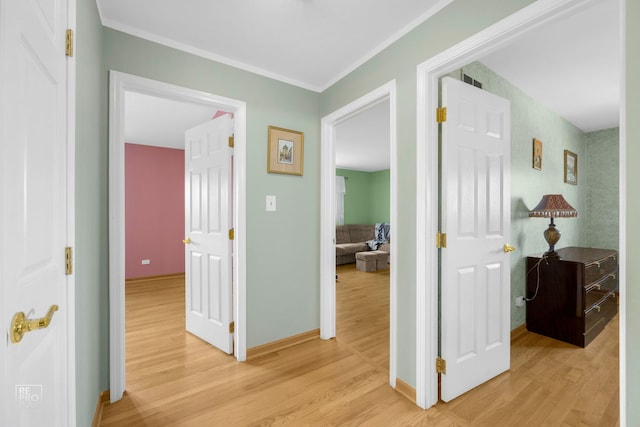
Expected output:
{"points": [[20, 325], [508, 248], [187, 241]]}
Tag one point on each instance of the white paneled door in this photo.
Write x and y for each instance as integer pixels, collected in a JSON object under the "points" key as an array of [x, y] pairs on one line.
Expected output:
{"points": [[475, 265], [35, 307], [208, 244]]}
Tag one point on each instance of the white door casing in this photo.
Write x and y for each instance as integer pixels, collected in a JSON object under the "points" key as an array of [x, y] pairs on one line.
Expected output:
{"points": [[37, 380], [208, 221], [327, 223], [528, 19], [475, 278], [119, 84]]}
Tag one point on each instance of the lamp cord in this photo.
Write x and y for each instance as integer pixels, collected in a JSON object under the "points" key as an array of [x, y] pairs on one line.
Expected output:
{"points": [[537, 267]]}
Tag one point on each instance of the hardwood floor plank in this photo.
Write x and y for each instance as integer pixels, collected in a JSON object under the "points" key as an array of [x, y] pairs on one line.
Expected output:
{"points": [[175, 379]]}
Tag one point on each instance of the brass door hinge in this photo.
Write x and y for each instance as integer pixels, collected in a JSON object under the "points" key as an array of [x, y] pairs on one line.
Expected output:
{"points": [[232, 327], [231, 141], [232, 234], [441, 240], [441, 115], [68, 260], [441, 366], [68, 43]]}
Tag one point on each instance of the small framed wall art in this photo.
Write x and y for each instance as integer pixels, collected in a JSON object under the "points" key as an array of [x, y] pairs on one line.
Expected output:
{"points": [[285, 152], [537, 154], [570, 167]]}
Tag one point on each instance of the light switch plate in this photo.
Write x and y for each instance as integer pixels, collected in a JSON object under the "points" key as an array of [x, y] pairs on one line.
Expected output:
{"points": [[271, 203]]}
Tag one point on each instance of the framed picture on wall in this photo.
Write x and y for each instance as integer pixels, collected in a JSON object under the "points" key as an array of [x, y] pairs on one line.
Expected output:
{"points": [[537, 154], [285, 153], [570, 167]]}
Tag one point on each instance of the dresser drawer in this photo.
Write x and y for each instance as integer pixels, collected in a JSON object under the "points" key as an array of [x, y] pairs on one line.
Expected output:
{"points": [[598, 269], [598, 289], [599, 315]]}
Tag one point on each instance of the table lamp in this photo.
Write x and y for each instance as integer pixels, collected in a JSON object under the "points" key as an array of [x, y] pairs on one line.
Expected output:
{"points": [[553, 206]]}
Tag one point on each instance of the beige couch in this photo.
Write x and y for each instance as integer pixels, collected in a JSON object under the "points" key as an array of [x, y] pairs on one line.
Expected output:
{"points": [[352, 238]]}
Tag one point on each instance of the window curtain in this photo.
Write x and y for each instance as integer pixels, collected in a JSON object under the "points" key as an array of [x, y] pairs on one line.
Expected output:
{"points": [[341, 190]]}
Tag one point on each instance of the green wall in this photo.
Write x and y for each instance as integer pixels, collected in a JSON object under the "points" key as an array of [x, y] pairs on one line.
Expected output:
{"points": [[281, 302], [603, 190], [530, 119], [356, 199], [367, 200], [380, 194], [595, 197], [91, 211], [631, 156], [458, 21]]}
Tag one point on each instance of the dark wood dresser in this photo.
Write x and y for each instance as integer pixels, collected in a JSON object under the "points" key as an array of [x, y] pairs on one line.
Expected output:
{"points": [[573, 296]]}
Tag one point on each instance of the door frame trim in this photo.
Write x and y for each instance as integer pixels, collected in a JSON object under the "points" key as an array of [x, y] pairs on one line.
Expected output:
{"points": [[427, 208], [119, 84], [71, 221], [327, 221]]}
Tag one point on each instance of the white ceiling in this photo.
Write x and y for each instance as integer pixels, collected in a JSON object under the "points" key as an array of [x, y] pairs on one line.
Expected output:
{"points": [[570, 65], [308, 43], [150, 120], [362, 141]]}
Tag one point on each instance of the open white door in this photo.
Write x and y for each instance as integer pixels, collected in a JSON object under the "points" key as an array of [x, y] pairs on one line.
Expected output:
{"points": [[35, 371], [208, 244], [475, 277]]}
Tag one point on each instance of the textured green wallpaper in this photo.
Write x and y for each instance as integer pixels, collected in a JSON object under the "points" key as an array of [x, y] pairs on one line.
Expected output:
{"points": [[280, 301], [368, 196], [91, 236], [632, 178], [602, 170], [530, 119]]}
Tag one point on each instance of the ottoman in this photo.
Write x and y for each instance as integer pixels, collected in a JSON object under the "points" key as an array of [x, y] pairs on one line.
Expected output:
{"points": [[367, 261], [382, 260]]}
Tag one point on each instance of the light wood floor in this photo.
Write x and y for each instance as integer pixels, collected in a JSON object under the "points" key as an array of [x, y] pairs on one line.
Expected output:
{"points": [[174, 379]]}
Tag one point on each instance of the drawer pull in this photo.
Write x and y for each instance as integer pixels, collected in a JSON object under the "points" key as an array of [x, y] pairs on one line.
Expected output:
{"points": [[600, 262], [598, 285], [597, 307]]}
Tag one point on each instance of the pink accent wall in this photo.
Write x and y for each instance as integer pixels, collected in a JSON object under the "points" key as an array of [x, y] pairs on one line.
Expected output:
{"points": [[154, 210]]}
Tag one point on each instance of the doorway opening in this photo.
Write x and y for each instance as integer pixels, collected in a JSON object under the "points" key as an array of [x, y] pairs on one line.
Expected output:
{"points": [[120, 85], [386, 93], [493, 38], [363, 233]]}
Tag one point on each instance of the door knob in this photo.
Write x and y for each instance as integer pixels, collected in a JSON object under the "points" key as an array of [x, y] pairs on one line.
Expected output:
{"points": [[20, 325], [508, 248], [187, 241]]}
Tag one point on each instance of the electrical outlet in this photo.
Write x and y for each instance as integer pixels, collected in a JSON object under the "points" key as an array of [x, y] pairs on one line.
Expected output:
{"points": [[146, 261], [520, 301]]}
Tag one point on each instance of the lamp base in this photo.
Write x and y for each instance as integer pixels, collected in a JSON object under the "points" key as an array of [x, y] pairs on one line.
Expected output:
{"points": [[551, 254], [552, 235]]}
